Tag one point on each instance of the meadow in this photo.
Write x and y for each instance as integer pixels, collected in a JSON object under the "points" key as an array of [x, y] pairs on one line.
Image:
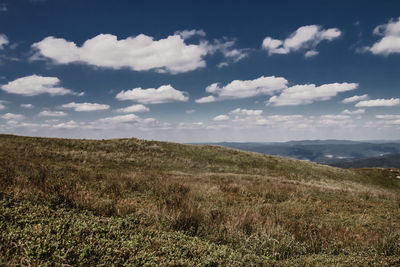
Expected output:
{"points": [[134, 202]]}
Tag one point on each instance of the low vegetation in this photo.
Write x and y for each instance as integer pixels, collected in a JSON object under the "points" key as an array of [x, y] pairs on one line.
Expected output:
{"points": [[135, 202]]}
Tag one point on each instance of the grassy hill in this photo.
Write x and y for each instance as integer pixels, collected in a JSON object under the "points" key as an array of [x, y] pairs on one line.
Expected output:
{"points": [[136, 202]]}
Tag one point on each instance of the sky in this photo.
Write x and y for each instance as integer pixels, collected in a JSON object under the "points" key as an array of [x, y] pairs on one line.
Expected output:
{"points": [[200, 71]]}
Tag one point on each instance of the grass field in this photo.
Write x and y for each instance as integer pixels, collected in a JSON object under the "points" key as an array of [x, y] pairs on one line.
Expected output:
{"points": [[135, 202]]}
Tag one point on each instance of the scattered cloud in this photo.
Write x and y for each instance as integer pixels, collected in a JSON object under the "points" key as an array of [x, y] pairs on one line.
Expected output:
{"points": [[388, 117], [221, 118], [190, 111], [379, 103], [3, 41], [246, 112], [244, 89], [27, 106], [133, 108], [309, 93], [139, 53], [163, 94], [223, 64], [66, 125], [390, 41], [36, 85], [354, 112], [186, 34], [226, 47], [14, 117], [120, 119], [48, 113], [2, 105], [304, 38], [311, 53], [355, 98], [85, 106], [206, 99]]}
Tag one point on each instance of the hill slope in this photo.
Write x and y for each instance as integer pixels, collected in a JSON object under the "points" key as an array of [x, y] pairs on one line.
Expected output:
{"points": [[129, 201]]}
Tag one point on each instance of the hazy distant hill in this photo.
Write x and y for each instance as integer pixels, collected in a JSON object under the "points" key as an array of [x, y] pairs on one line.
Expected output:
{"points": [[131, 202], [321, 151], [387, 161]]}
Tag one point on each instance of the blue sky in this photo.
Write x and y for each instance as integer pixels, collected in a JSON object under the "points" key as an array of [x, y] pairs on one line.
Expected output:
{"points": [[200, 72]]}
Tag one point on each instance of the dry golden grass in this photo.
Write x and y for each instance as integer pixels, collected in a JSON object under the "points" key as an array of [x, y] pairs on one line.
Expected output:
{"points": [[263, 208]]}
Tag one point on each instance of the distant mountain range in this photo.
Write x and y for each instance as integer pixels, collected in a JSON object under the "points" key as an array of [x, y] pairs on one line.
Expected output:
{"points": [[340, 153]]}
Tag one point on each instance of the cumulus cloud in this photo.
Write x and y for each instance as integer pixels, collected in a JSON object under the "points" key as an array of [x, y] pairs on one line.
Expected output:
{"points": [[309, 93], [14, 117], [379, 103], [226, 47], [311, 53], [3, 41], [133, 108], [85, 106], [120, 119], [206, 99], [48, 113], [186, 34], [304, 38], [2, 106], [66, 125], [139, 53], [221, 118], [355, 98], [246, 112], [390, 41], [354, 112], [388, 117], [28, 106], [244, 89], [36, 85], [163, 94]]}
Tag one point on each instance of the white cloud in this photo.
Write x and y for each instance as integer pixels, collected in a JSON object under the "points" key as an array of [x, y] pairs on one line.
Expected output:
{"points": [[85, 106], [243, 89], [66, 125], [354, 112], [305, 37], [48, 113], [311, 53], [355, 98], [379, 103], [309, 93], [2, 106], [133, 108], [246, 112], [390, 41], [28, 106], [388, 117], [222, 64], [206, 99], [36, 85], [163, 94], [186, 34], [3, 41], [221, 118], [139, 53], [13, 117], [190, 111], [225, 46], [120, 119]]}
